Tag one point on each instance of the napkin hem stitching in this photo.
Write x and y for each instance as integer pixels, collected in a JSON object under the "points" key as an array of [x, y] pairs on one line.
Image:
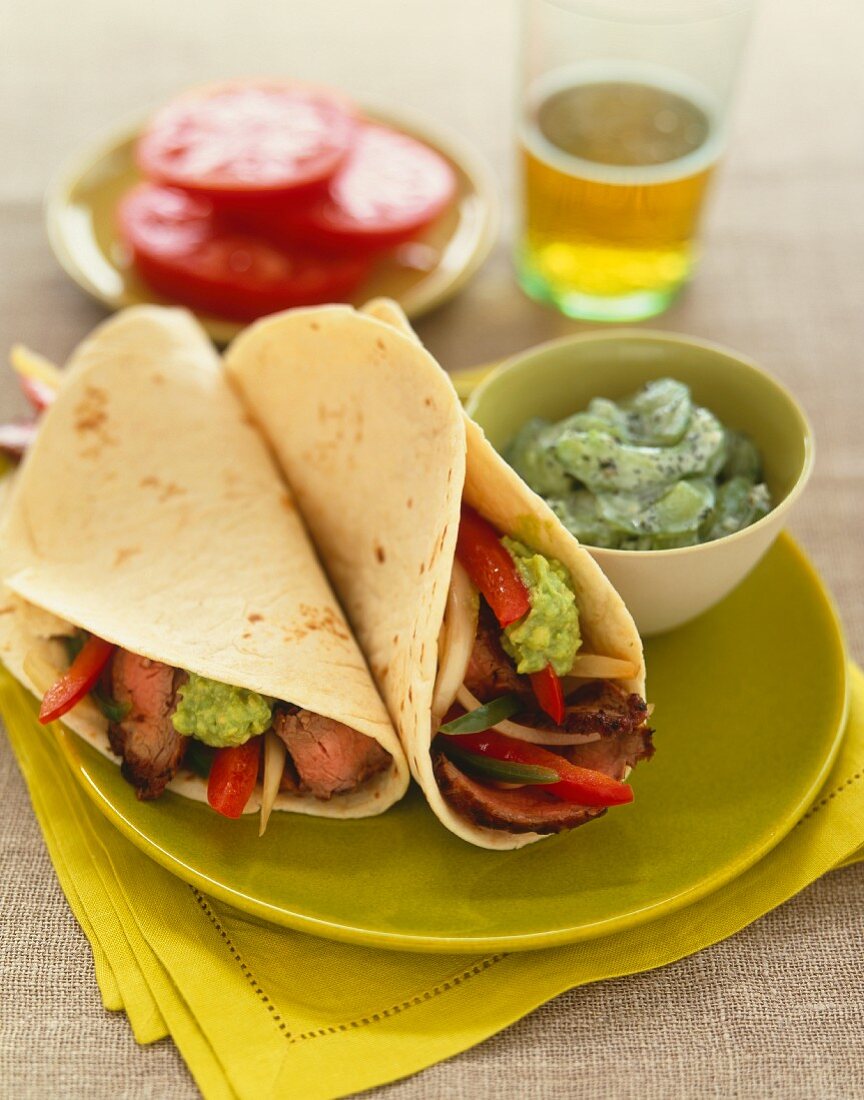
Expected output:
{"points": [[823, 802], [360, 1021], [247, 973], [403, 1006]]}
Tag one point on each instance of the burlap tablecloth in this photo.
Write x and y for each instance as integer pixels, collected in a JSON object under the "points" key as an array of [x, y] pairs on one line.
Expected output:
{"points": [[778, 1010]]}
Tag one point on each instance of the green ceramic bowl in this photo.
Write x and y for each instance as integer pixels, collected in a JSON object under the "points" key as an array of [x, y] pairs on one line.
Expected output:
{"points": [[662, 588]]}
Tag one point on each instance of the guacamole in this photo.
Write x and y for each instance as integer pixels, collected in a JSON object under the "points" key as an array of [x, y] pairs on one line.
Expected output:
{"points": [[549, 633], [219, 714]]}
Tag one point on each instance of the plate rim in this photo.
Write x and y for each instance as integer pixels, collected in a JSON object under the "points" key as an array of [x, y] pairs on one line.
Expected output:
{"points": [[416, 303], [428, 944]]}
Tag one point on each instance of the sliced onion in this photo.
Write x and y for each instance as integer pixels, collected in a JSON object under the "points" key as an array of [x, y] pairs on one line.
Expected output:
{"points": [[527, 733], [274, 765], [455, 641], [39, 671], [593, 666]]}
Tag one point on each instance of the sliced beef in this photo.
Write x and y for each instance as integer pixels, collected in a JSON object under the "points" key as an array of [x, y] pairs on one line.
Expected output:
{"points": [[490, 671], [146, 739], [614, 754], [597, 707], [525, 810], [530, 809], [330, 758], [290, 780], [600, 708]]}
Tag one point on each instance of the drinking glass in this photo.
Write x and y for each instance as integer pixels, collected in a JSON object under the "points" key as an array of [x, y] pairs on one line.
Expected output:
{"points": [[622, 118]]}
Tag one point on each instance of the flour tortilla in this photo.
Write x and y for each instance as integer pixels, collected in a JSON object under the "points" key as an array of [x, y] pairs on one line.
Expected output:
{"points": [[370, 434], [150, 513]]}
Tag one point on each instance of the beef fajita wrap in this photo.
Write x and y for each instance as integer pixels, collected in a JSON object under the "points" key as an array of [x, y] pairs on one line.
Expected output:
{"points": [[161, 596], [511, 667]]}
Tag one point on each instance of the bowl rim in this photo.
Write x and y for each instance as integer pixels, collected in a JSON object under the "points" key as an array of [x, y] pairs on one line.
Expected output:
{"points": [[629, 335]]}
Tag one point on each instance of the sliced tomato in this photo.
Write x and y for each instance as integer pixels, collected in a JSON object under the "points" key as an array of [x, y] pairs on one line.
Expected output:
{"points": [[490, 567], [75, 683], [582, 786], [232, 777], [183, 250], [546, 685], [389, 189], [249, 138]]}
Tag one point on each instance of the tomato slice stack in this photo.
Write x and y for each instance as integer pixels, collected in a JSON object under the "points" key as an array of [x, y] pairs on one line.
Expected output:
{"points": [[389, 188], [263, 195], [244, 140], [182, 249]]}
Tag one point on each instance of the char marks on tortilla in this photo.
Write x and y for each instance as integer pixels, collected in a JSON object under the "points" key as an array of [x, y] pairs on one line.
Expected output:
{"points": [[181, 547], [399, 488]]}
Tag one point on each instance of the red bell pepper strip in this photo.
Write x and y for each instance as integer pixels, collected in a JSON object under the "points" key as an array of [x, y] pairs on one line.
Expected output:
{"points": [[77, 681], [493, 571], [38, 393], [579, 785], [490, 567], [232, 777], [549, 693]]}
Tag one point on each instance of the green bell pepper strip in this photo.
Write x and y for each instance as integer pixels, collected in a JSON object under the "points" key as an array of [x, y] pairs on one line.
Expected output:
{"points": [[113, 711], [582, 786], [73, 644], [483, 718], [199, 757], [500, 771]]}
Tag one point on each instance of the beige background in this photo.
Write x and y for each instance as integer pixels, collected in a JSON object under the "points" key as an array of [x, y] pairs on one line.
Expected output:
{"points": [[779, 1009]]}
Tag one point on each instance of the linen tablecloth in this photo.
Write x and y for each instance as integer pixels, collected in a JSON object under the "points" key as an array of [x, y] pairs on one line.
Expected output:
{"points": [[779, 1009]]}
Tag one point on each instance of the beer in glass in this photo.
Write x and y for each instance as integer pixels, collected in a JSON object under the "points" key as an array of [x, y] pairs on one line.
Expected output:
{"points": [[618, 139]]}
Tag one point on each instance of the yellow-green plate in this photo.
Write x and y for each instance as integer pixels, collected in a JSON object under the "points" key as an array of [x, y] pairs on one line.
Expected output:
{"points": [[80, 217], [750, 706]]}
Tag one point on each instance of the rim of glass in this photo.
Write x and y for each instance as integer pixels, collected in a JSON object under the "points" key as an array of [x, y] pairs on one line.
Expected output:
{"points": [[634, 11]]}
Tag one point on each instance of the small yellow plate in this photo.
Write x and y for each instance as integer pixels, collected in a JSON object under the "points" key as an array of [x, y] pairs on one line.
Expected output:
{"points": [[80, 217]]}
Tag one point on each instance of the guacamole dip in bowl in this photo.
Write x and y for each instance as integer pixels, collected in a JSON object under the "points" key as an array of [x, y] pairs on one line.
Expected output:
{"points": [[690, 458]]}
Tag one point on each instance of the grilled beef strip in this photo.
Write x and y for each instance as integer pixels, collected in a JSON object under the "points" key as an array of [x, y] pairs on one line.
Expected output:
{"points": [[603, 707], [615, 754], [600, 708], [329, 757], [324, 758], [530, 809], [524, 810], [490, 671], [151, 748], [290, 780]]}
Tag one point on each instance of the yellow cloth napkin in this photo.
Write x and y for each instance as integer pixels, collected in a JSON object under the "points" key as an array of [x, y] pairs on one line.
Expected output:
{"points": [[257, 1010]]}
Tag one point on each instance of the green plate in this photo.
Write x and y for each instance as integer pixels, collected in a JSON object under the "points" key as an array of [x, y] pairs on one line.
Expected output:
{"points": [[80, 217], [750, 706]]}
